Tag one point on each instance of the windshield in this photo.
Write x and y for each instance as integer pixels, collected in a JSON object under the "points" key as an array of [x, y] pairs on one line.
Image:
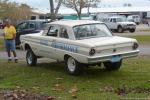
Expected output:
{"points": [[91, 31]]}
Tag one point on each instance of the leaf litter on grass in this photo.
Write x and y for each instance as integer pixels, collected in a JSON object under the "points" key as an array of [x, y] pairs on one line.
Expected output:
{"points": [[23, 95]]}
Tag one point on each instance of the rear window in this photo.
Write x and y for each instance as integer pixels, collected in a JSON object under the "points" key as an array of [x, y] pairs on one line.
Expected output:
{"points": [[91, 31]]}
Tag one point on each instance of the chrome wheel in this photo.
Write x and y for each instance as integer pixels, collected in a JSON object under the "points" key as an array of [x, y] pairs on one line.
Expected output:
{"points": [[71, 64], [29, 58]]}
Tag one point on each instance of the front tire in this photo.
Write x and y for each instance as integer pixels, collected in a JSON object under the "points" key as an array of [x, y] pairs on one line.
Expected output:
{"points": [[112, 66], [72, 66], [137, 23], [132, 30], [120, 29], [31, 58]]}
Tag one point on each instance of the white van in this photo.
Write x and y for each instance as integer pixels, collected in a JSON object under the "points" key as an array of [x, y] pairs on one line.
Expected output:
{"points": [[134, 18]]}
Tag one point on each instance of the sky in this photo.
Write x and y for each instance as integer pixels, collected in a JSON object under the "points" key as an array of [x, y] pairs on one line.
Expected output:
{"points": [[41, 4], [44, 4]]}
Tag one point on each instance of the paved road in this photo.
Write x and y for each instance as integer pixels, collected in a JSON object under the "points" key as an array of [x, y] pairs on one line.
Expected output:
{"points": [[137, 33], [145, 50]]}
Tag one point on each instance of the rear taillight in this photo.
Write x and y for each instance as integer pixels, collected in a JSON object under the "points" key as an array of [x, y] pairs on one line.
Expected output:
{"points": [[92, 52], [135, 46]]}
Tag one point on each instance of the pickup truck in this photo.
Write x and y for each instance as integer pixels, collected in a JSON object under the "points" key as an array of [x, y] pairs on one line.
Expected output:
{"points": [[119, 24], [79, 43]]}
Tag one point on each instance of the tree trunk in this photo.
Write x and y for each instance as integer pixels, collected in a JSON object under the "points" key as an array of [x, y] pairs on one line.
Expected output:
{"points": [[88, 9], [79, 15], [52, 9]]}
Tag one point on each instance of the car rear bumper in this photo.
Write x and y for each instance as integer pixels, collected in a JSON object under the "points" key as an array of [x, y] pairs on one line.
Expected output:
{"points": [[124, 55]]}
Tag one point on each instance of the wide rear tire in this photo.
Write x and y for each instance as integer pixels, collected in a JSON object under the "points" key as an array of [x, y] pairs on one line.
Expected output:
{"points": [[72, 66], [112, 66]]}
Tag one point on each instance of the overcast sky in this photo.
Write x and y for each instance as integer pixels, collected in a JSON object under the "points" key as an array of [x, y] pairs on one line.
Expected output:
{"points": [[44, 4], [41, 4]]}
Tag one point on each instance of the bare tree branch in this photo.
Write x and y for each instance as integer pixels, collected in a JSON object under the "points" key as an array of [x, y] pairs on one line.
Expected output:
{"points": [[78, 5], [58, 6], [54, 11]]}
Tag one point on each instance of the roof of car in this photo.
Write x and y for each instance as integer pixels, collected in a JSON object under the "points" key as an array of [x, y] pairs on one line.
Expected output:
{"points": [[116, 17], [72, 23]]}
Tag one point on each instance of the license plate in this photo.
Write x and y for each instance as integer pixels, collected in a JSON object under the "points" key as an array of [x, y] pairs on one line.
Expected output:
{"points": [[115, 59]]}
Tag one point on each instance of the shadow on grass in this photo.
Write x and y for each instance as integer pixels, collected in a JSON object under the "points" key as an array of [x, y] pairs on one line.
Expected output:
{"points": [[88, 72]]}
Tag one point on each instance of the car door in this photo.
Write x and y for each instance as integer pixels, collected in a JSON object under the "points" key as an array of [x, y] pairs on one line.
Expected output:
{"points": [[109, 22], [47, 42], [20, 31], [113, 23], [25, 28], [62, 44]]}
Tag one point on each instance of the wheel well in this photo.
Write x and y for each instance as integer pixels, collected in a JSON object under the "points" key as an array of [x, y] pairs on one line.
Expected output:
{"points": [[119, 26], [66, 56], [27, 47]]}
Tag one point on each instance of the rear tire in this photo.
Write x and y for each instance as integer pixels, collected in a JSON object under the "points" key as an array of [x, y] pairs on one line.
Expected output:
{"points": [[31, 58], [72, 66], [112, 66]]}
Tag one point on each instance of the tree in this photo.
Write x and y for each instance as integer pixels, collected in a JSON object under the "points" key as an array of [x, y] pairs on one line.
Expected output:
{"points": [[92, 3], [14, 11], [78, 5], [53, 10]]}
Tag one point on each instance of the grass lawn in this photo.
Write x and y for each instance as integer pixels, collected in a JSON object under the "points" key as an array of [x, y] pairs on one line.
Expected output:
{"points": [[131, 81], [1, 44], [142, 39]]}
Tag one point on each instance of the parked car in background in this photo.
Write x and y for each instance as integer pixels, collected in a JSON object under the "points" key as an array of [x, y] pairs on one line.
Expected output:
{"points": [[134, 18], [120, 24], [79, 43], [2, 25], [29, 27]]}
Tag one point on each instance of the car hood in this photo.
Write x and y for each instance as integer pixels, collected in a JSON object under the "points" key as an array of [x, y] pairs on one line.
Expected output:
{"points": [[126, 23], [102, 41]]}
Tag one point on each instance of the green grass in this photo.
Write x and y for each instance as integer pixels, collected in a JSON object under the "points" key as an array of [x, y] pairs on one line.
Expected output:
{"points": [[1, 44], [93, 84], [142, 39]]}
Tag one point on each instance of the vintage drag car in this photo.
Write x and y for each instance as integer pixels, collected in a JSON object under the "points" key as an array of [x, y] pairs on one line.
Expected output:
{"points": [[79, 43]]}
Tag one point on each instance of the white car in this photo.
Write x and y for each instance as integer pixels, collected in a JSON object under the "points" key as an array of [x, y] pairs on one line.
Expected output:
{"points": [[79, 43], [120, 24], [134, 18]]}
